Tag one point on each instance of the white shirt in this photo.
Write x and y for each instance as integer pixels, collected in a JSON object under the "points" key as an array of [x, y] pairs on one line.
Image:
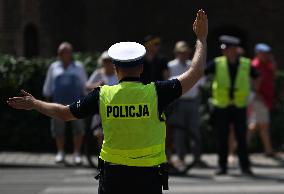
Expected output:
{"points": [[56, 69], [98, 75], [177, 68]]}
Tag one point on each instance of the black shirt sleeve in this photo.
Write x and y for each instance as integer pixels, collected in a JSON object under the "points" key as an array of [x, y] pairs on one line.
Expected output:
{"points": [[167, 91], [86, 106], [254, 73], [210, 68]]}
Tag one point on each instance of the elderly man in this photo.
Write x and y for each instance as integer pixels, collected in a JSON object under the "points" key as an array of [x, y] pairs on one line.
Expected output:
{"points": [[184, 118], [64, 84]]}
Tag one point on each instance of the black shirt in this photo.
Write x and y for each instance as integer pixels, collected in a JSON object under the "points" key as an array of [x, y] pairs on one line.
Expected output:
{"points": [[167, 92], [233, 68], [153, 70]]}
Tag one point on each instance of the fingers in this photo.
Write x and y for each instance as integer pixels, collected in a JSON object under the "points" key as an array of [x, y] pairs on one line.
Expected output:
{"points": [[22, 102], [200, 25], [201, 15], [24, 93], [13, 105], [201, 18], [194, 25], [15, 100], [18, 103], [198, 16]]}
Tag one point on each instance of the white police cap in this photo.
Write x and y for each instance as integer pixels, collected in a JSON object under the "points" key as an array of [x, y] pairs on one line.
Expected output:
{"points": [[127, 54], [227, 41]]}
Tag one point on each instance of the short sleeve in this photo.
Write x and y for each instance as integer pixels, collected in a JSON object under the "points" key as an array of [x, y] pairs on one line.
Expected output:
{"points": [[86, 106], [167, 91], [210, 68]]}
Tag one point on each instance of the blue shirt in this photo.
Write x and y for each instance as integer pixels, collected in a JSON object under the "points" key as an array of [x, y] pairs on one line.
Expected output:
{"points": [[65, 85]]}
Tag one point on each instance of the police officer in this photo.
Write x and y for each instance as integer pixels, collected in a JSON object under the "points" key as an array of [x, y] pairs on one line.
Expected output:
{"points": [[230, 91], [133, 152]]}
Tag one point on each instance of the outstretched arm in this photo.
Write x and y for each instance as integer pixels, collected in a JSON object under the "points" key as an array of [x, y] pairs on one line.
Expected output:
{"points": [[190, 77], [28, 102]]}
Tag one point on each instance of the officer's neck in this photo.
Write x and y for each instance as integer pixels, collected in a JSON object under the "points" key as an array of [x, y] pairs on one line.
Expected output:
{"points": [[129, 78], [123, 73]]}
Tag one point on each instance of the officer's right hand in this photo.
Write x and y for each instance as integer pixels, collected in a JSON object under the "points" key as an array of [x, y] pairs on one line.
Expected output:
{"points": [[26, 101], [200, 25]]}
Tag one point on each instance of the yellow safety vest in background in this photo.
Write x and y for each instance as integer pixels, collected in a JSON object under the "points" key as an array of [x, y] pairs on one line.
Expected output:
{"points": [[222, 83], [133, 132]]}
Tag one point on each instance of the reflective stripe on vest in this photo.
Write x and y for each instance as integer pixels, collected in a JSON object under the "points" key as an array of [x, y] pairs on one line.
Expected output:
{"points": [[133, 132], [222, 83]]}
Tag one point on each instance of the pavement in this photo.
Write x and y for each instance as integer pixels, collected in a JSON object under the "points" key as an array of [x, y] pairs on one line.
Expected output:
{"points": [[31, 173]]}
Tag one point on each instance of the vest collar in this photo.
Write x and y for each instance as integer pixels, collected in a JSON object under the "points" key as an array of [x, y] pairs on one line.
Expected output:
{"points": [[130, 79]]}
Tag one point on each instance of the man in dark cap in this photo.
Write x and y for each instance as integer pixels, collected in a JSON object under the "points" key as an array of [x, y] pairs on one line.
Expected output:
{"points": [[230, 91], [155, 65]]}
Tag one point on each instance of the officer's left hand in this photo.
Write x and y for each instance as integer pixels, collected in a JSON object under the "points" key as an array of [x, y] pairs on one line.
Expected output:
{"points": [[200, 25]]}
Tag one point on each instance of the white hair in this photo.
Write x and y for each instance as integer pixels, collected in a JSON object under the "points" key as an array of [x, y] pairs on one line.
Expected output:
{"points": [[64, 46]]}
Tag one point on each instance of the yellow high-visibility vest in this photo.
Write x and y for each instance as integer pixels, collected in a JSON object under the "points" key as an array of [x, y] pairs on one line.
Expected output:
{"points": [[133, 132], [222, 83]]}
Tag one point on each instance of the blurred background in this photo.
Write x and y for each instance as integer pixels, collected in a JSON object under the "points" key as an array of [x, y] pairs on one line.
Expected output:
{"points": [[32, 30], [37, 27]]}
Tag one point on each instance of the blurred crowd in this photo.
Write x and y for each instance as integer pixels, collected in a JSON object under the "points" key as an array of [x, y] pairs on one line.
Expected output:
{"points": [[242, 92]]}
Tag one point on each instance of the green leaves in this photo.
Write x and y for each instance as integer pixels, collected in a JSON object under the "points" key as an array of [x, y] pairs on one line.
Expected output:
{"points": [[20, 130], [16, 72]]}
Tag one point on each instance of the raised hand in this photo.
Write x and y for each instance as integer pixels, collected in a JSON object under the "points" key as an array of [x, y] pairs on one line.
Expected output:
{"points": [[200, 25], [26, 101]]}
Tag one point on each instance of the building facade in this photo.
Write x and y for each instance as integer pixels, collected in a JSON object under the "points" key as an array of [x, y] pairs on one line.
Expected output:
{"points": [[36, 27]]}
